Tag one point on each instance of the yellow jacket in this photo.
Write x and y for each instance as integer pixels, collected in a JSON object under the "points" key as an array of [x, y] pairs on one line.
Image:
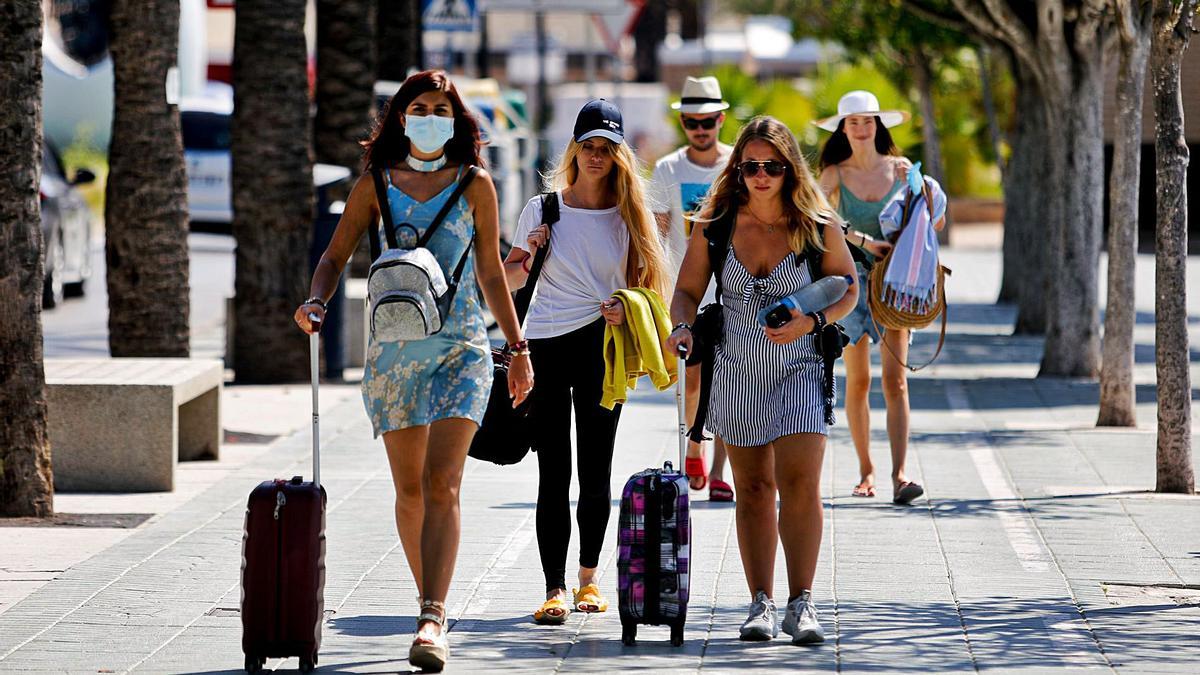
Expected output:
{"points": [[635, 348]]}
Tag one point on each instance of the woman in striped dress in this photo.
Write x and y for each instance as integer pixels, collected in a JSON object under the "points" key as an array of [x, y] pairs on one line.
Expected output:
{"points": [[767, 399]]}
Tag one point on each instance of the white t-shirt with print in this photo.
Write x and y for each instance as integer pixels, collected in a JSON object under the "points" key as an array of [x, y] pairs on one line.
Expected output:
{"points": [[681, 185], [585, 266]]}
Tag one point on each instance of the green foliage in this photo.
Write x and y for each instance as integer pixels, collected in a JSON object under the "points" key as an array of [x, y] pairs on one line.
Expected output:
{"points": [[83, 153]]}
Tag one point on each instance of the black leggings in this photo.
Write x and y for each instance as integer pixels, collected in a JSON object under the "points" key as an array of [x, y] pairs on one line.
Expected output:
{"points": [[570, 368]]}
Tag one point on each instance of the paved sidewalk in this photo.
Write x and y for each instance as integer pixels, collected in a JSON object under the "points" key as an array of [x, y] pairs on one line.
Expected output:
{"points": [[1039, 548]]}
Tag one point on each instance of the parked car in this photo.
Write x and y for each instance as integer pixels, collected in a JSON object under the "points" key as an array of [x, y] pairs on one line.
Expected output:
{"points": [[205, 124], [66, 230]]}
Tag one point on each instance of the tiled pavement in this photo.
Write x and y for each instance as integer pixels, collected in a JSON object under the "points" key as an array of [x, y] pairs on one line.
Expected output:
{"points": [[1039, 548]]}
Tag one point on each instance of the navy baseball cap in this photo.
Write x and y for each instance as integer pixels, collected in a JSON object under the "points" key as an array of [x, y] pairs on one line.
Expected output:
{"points": [[599, 118]]}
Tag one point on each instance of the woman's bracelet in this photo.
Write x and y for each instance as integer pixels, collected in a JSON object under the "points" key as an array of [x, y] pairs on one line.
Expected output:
{"points": [[682, 324], [316, 301], [818, 322], [519, 347], [525, 264], [864, 239]]}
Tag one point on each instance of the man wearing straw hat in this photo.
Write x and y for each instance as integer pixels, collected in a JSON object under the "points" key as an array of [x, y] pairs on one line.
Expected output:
{"points": [[681, 180]]}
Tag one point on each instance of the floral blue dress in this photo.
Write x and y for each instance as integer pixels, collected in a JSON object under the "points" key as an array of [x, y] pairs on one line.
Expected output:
{"points": [[414, 383]]}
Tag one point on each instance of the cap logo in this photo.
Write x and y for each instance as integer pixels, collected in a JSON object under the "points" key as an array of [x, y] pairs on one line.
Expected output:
{"points": [[611, 124]]}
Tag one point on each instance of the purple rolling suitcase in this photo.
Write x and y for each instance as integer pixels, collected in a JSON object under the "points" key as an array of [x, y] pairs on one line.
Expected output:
{"points": [[283, 563], [654, 549]]}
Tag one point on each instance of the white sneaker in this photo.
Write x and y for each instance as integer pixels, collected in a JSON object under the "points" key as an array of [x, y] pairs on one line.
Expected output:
{"points": [[762, 624], [800, 621]]}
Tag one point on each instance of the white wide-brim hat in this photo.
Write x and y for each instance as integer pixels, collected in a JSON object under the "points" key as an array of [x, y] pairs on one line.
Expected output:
{"points": [[700, 95], [862, 103]]}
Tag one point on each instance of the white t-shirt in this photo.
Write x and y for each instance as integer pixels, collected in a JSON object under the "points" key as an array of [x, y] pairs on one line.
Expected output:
{"points": [[585, 266], [681, 185]]}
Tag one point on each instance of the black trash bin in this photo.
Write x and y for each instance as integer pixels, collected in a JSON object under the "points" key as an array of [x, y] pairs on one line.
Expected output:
{"points": [[327, 179]]}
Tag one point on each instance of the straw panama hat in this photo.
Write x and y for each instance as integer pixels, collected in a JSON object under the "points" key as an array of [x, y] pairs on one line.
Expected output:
{"points": [[700, 95], [862, 103]]}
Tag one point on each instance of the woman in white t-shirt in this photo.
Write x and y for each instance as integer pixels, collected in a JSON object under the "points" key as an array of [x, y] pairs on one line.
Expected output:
{"points": [[605, 240]]}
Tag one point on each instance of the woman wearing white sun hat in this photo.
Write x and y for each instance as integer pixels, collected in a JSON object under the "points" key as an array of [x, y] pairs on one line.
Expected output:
{"points": [[861, 169]]}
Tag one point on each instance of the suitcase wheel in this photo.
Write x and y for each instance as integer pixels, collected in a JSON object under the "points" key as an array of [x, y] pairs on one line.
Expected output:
{"points": [[677, 635], [254, 664], [628, 633], [307, 666]]}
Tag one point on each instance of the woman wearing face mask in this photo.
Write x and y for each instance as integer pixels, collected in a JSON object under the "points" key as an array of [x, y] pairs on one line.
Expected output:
{"points": [[605, 240], [427, 397]]}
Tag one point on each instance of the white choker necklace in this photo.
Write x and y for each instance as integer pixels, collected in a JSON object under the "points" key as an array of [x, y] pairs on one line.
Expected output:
{"points": [[426, 166]]}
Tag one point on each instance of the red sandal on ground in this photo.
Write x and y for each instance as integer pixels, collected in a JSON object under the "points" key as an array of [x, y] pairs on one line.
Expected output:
{"points": [[720, 491], [696, 467]]}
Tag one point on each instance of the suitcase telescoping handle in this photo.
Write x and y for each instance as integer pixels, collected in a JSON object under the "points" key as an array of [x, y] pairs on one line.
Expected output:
{"points": [[314, 344], [681, 368]]}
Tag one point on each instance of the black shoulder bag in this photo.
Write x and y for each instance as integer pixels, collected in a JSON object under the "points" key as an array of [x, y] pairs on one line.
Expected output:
{"points": [[506, 434]]}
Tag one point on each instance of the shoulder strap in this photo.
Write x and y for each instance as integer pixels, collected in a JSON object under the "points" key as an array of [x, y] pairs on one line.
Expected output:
{"points": [[385, 212], [550, 215], [719, 234], [454, 196]]}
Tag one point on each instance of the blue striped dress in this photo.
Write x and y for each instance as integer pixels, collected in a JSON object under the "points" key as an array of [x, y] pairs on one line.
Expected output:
{"points": [[763, 391]]}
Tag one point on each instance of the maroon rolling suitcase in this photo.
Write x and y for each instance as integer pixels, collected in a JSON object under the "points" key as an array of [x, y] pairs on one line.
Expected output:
{"points": [[283, 563]]}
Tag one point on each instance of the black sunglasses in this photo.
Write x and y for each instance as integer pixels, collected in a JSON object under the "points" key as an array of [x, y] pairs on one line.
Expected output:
{"points": [[773, 168], [707, 123]]}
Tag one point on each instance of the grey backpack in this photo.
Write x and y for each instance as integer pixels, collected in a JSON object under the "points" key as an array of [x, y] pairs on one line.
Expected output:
{"points": [[408, 295]]}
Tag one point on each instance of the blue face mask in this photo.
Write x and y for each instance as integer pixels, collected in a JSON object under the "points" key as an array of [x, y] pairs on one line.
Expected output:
{"points": [[429, 132]]}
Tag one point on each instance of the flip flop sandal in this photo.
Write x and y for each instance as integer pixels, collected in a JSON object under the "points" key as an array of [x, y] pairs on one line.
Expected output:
{"points": [[589, 600], [696, 467], [553, 612], [720, 491], [863, 491], [906, 492]]}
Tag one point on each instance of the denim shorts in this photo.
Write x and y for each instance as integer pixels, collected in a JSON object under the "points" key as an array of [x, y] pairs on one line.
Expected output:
{"points": [[858, 322]]}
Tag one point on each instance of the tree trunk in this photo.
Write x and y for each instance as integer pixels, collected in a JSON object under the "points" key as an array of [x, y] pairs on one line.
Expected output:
{"points": [[1174, 456], [26, 481], [1025, 215], [399, 39], [145, 212], [931, 156], [272, 189], [1117, 400], [345, 80], [1076, 157], [648, 34], [989, 105]]}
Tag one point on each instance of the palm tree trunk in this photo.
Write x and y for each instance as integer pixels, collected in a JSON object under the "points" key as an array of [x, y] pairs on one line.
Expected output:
{"points": [[145, 212], [399, 38], [1172, 29], [1117, 400], [272, 189], [345, 80], [26, 481]]}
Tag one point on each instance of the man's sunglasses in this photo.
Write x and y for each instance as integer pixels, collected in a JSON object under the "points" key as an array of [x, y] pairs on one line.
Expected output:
{"points": [[707, 123], [773, 168]]}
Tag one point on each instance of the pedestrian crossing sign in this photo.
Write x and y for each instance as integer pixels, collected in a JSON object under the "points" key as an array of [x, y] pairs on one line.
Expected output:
{"points": [[448, 15]]}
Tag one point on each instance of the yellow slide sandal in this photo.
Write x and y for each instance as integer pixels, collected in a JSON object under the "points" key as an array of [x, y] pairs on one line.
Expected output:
{"points": [[553, 612], [588, 599]]}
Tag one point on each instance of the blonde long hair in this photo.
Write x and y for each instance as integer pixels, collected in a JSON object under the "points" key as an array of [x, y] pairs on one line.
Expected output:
{"points": [[808, 210], [626, 182]]}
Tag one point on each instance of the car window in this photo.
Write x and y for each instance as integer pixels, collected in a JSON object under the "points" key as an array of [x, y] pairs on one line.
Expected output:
{"points": [[204, 130]]}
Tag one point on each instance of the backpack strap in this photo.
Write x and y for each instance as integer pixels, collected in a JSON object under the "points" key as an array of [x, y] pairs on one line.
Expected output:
{"points": [[719, 234], [385, 212], [459, 189], [550, 215]]}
